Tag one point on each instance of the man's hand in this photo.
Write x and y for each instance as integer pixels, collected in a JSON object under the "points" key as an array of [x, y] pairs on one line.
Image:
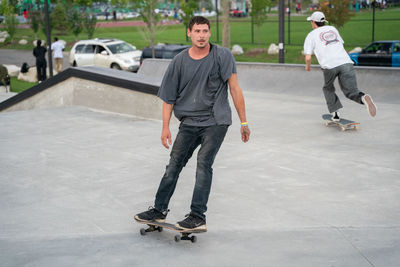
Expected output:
{"points": [[308, 62], [166, 137], [245, 132], [166, 134], [238, 100]]}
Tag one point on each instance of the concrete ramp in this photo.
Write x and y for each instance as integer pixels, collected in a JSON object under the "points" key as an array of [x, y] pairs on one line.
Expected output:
{"points": [[93, 87], [382, 83]]}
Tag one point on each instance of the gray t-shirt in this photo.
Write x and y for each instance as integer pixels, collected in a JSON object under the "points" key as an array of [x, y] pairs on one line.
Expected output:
{"points": [[199, 88]]}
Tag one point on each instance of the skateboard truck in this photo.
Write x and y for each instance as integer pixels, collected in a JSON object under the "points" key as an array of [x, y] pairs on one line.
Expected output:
{"points": [[185, 236], [151, 228], [177, 238]]}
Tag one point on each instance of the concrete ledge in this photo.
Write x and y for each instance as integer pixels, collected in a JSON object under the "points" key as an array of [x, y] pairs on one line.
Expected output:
{"points": [[93, 87]]}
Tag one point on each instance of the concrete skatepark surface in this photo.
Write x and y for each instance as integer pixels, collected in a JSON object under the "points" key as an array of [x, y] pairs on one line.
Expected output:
{"points": [[298, 194]]}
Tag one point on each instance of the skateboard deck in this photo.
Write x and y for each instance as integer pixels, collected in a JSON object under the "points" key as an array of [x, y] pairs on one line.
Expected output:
{"points": [[344, 124], [159, 226]]}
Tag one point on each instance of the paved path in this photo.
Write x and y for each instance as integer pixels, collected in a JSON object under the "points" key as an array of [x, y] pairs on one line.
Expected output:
{"points": [[18, 57]]}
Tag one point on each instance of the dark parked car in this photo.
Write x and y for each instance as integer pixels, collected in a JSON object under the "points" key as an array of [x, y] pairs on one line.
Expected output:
{"points": [[379, 53], [167, 51]]}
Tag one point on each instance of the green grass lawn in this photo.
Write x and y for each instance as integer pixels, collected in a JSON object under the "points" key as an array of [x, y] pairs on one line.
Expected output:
{"points": [[356, 32], [18, 86]]}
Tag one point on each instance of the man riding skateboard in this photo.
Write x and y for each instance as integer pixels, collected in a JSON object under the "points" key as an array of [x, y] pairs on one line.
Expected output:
{"points": [[195, 87], [327, 45]]}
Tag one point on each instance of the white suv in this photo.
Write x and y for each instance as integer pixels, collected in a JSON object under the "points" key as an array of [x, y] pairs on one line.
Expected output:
{"points": [[110, 53]]}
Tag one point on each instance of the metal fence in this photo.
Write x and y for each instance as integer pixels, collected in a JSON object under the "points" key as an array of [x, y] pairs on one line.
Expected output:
{"points": [[356, 32]]}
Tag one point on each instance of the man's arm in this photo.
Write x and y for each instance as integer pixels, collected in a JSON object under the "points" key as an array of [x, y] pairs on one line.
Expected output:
{"points": [[308, 62], [238, 100], [166, 117]]}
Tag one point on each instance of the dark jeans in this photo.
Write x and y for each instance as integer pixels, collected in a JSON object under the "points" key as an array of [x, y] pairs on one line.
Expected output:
{"points": [[347, 82], [188, 139], [41, 71]]}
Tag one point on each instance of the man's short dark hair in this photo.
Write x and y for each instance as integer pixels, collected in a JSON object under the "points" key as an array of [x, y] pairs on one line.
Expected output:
{"points": [[198, 20], [320, 24], [55, 39]]}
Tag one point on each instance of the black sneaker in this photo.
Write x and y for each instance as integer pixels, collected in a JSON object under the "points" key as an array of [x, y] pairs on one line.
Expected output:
{"points": [[151, 215], [335, 116], [192, 222]]}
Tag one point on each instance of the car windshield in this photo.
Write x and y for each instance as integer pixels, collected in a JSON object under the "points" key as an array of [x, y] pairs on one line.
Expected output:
{"points": [[378, 48], [120, 48]]}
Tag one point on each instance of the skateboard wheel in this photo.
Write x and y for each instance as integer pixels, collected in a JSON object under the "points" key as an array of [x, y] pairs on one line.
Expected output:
{"points": [[160, 229], [143, 231], [343, 129], [177, 238], [193, 239], [326, 123], [355, 128]]}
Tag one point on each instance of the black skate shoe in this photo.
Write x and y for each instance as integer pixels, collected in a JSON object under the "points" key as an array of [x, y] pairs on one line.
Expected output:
{"points": [[192, 222], [151, 215]]}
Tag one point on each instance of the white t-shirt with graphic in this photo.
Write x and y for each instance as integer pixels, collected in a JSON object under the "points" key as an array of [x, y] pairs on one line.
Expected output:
{"points": [[327, 45]]}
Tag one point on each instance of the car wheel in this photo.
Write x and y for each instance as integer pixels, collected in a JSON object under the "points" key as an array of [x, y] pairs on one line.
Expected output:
{"points": [[115, 66], [74, 64]]}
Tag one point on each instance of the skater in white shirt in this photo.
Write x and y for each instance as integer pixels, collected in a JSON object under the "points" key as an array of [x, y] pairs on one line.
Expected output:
{"points": [[58, 48], [327, 45]]}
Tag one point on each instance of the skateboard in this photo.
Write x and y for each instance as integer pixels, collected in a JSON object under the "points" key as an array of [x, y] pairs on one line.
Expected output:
{"points": [[342, 123], [159, 226]]}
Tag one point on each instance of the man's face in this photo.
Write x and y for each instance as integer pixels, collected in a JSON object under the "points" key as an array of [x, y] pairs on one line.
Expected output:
{"points": [[200, 34]]}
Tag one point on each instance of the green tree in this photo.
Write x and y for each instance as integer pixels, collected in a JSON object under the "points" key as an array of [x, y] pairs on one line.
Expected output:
{"points": [[337, 12], [89, 24], [259, 15], [34, 21], [3, 6], [75, 21], [276, 3], [188, 8], [151, 18], [10, 21], [13, 3], [59, 17]]}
